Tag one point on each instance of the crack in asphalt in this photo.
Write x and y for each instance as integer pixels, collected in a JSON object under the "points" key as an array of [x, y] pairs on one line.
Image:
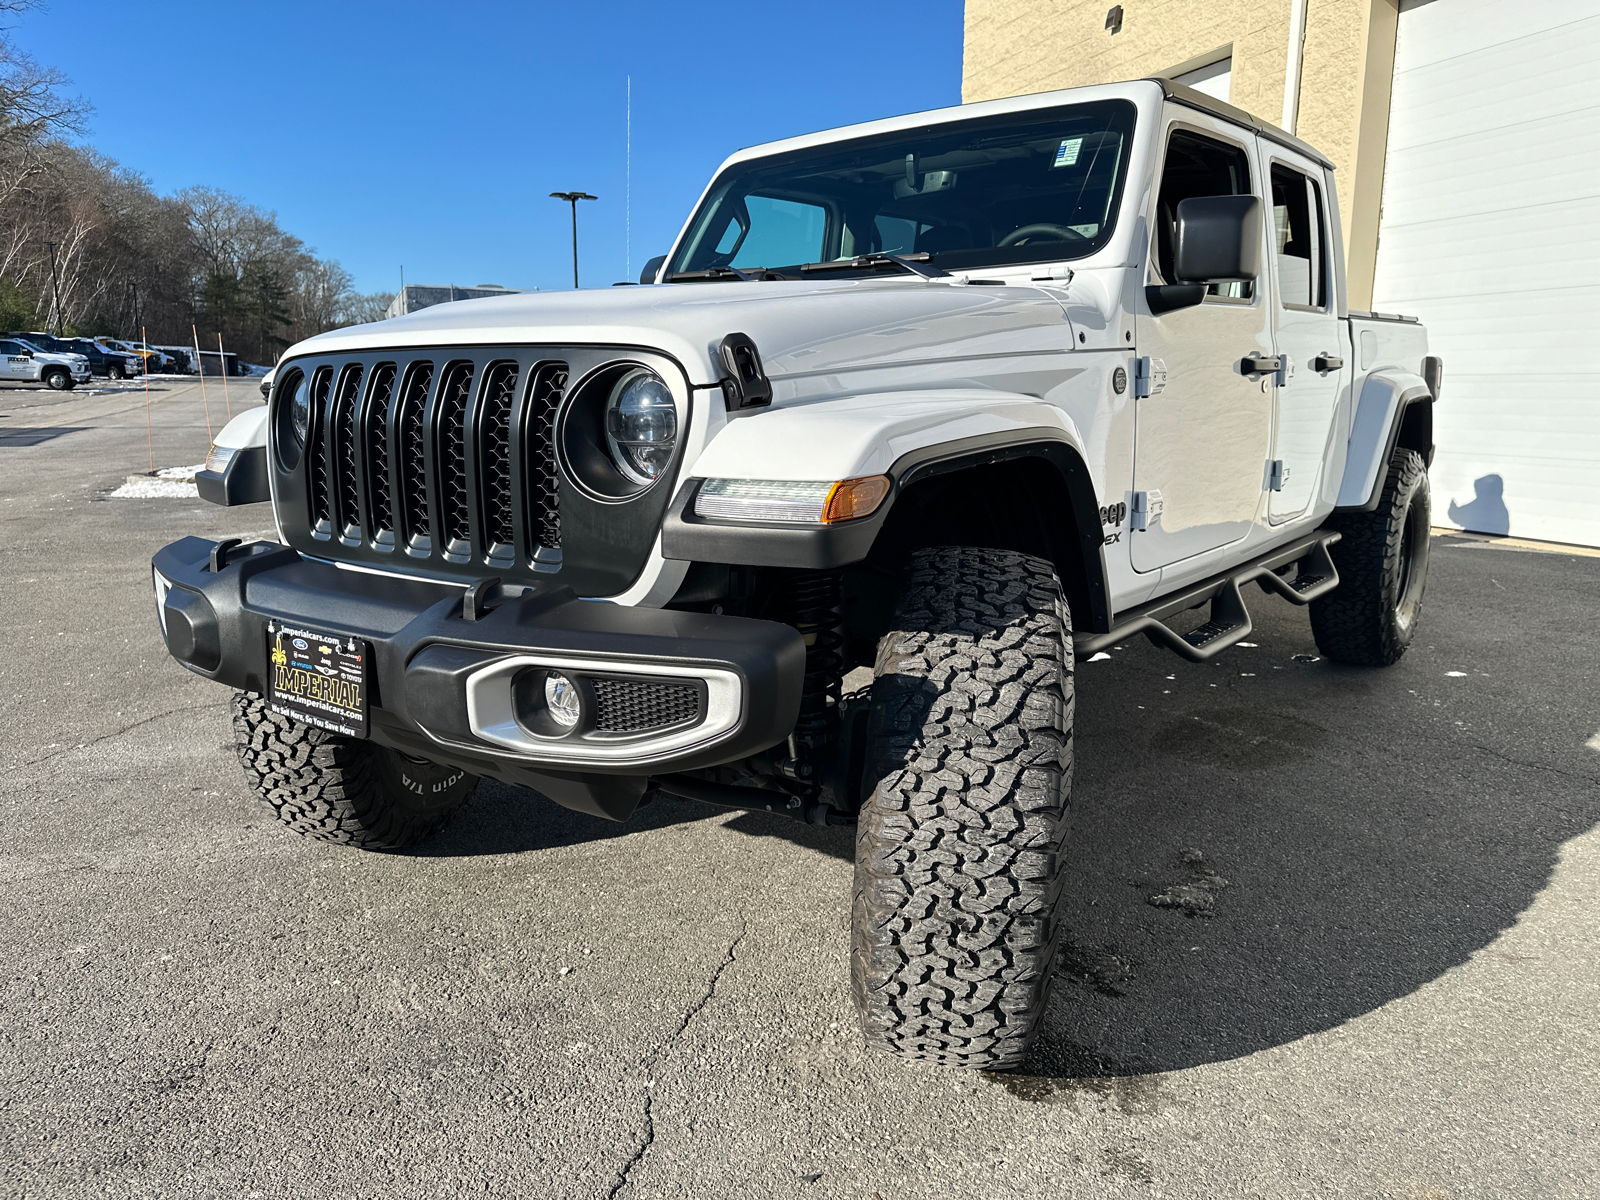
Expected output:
{"points": [[689, 1014], [171, 712]]}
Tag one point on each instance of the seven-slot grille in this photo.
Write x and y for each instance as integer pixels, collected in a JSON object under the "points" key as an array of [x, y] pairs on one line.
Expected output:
{"points": [[395, 461], [632, 706]]}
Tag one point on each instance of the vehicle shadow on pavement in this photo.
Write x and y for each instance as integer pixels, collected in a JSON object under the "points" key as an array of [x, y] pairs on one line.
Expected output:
{"points": [[1271, 845], [503, 819]]}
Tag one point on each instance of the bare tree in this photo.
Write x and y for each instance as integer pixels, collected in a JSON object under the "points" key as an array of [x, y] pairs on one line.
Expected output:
{"points": [[128, 260]]}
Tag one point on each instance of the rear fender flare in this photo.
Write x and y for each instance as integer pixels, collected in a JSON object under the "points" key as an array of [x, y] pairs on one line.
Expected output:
{"points": [[1382, 409]]}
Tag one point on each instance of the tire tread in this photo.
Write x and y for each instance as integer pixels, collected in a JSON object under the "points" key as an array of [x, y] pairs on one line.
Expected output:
{"points": [[959, 863]]}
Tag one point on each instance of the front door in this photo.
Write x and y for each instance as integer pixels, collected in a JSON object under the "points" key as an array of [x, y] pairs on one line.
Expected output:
{"points": [[14, 364], [1308, 331], [1203, 431]]}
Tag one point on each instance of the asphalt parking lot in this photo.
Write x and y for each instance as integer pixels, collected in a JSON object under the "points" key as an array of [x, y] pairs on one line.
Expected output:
{"points": [[1372, 970]]}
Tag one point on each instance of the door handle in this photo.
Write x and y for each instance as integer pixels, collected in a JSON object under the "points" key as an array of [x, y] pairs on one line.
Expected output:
{"points": [[1256, 363], [1327, 362]]}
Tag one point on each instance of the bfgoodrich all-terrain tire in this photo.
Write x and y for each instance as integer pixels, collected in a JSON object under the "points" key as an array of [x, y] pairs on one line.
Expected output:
{"points": [[959, 848], [1371, 617], [344, 790]]}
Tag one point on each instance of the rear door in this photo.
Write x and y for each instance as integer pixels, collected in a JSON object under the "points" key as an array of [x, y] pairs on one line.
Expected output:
{"points": [[1308, 335], [1205, 426]]}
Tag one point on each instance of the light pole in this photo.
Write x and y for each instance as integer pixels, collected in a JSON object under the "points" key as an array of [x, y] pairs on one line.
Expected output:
{"points": [[572, 198], [55, 284]]}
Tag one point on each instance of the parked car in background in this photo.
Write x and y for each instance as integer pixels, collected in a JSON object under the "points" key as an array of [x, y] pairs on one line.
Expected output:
{"points": [[112, 364], [182, 358], [49, 343], [155, 360], [23, 362], [162, 360]]}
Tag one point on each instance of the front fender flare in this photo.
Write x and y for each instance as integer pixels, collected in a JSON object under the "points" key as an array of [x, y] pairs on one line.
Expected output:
{"points": [[908, 437]]}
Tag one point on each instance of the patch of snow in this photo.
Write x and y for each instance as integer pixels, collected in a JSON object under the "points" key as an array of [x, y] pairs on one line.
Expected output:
{"points": [[1101, 657], [1593, 743], [156, 489], [1455, 674]]}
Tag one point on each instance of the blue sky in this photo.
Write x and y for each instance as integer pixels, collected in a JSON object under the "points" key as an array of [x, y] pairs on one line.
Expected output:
{"points": [[430, 134]]}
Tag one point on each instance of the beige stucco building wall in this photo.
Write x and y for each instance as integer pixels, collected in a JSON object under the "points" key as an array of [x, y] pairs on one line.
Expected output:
{"points": [[1014, 47]]}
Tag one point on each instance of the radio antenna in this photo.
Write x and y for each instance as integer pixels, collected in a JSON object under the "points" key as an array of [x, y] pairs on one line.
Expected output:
{"points": [[627, 199]]}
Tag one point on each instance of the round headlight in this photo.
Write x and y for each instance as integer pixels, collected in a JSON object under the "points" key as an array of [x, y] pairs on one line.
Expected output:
{"points": [[300, 410], [641, 425]]}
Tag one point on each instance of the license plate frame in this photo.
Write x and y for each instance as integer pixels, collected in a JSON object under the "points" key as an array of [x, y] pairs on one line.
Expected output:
{"points": [[319, 678]]}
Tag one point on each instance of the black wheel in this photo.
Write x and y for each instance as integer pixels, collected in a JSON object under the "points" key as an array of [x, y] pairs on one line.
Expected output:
{"points": [[57, 379], [344, 790], [959, 860], [114, 371], [1371, 617]]}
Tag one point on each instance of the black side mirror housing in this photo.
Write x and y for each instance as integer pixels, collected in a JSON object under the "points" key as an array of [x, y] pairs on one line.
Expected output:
{"points": [[1218, 239], [648, 275]]}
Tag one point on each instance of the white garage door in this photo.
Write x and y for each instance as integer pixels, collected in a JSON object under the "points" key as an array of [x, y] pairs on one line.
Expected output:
{"points": [[1491, 234]]}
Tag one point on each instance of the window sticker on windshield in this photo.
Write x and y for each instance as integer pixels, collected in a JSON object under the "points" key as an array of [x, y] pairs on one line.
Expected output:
{"points": [[1067, 152]]}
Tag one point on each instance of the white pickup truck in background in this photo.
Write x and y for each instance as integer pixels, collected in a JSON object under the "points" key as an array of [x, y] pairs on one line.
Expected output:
{"points": [[23, 362], [958, 397]]}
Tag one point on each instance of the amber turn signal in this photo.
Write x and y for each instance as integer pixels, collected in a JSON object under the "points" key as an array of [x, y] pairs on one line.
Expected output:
{"points": [[855, 498]]}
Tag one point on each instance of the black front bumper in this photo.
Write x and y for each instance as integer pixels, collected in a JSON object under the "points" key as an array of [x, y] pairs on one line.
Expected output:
{"points": [[216, 599]]}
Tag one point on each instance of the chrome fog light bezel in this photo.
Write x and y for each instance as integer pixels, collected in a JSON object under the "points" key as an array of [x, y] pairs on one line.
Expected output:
{"points": [[492, 712]]}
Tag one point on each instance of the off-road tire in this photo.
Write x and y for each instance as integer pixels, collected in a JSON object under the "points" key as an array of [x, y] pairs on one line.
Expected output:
{"points": [[1382, 559], [58, 379], [343, 790], [955, 921]]}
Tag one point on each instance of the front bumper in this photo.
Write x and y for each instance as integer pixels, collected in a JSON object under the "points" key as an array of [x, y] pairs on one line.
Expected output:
{"points": [[443, 686]]}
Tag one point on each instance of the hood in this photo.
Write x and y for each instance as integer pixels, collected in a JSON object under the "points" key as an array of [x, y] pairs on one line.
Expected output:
{"points": [[801, 328]]}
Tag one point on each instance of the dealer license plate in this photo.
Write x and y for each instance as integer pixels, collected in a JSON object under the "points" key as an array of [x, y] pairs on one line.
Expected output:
{"points": [[317, 678]]}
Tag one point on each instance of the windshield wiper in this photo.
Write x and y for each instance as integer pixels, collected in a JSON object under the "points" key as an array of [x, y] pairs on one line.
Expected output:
{"points": [[756, 274], [910, 262]]}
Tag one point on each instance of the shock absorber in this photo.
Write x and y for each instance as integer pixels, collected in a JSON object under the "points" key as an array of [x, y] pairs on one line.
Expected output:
{"points": [[811, 602]]}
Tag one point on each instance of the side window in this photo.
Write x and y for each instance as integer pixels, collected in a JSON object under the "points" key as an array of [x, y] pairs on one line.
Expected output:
{"points": [[1298, 239], [1198, 166], [10, 348]]}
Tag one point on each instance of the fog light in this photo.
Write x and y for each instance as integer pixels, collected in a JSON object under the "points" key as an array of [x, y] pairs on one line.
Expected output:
{"points": [[562, 700], [549, 704]]}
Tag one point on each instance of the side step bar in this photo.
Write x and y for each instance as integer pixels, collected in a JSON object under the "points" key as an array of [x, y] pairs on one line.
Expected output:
{"points": [[1230, 619]]}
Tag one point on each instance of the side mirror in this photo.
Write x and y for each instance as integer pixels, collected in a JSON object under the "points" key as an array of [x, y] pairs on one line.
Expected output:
{"points": [[648, 275], [1218, 239]]}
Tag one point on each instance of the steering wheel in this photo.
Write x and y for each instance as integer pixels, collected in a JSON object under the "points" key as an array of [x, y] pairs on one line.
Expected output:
{"points": [[1058, 233]]}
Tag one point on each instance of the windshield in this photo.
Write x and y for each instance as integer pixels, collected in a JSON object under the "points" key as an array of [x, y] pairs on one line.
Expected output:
{"points": [[1024, 187]]}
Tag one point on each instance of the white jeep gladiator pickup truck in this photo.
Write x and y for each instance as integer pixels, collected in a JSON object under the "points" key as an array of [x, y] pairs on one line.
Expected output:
{"points": [[959, 397]]}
